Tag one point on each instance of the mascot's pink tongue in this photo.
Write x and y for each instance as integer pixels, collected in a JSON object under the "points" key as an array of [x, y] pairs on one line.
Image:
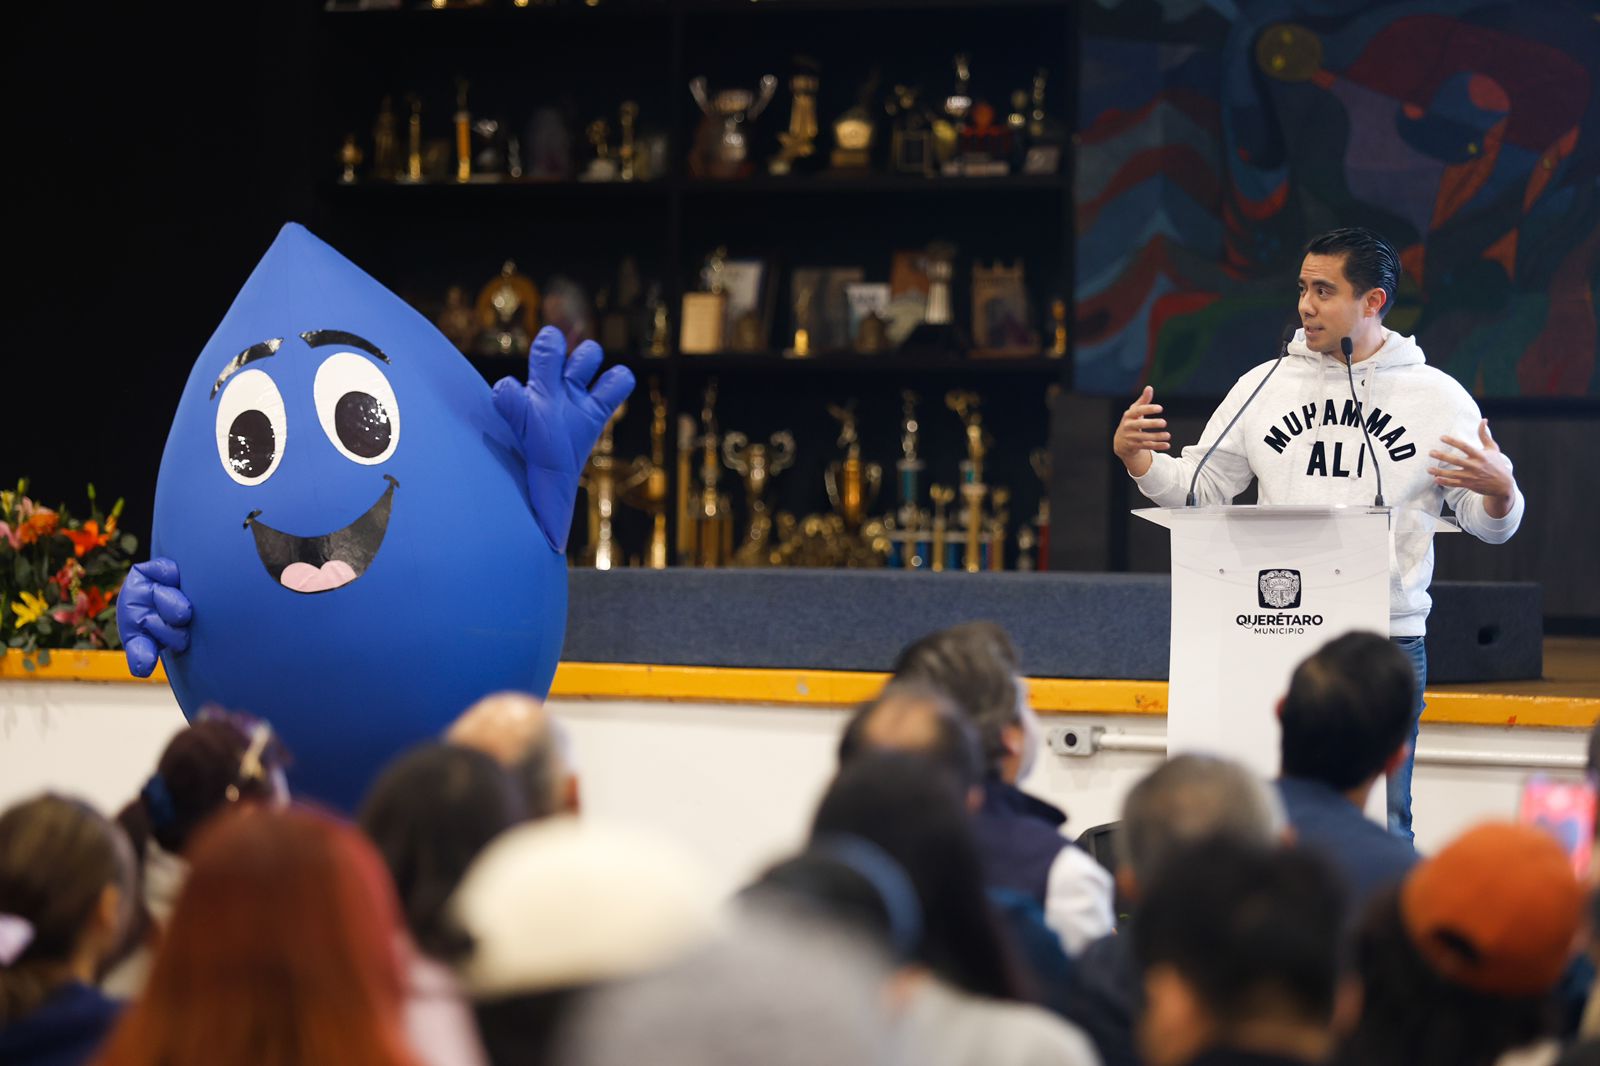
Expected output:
{"points": [[303, 577]]}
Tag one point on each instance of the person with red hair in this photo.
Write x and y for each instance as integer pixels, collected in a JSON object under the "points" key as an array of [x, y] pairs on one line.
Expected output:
{"points": [[284, 948]]}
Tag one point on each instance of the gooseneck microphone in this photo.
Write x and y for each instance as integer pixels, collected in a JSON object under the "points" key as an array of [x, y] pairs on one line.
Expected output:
{"points": [[1283, 350], [1349, 350]]}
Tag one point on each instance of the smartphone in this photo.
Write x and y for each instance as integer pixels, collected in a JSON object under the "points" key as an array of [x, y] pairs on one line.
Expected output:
{"points": [[1566, 809]]}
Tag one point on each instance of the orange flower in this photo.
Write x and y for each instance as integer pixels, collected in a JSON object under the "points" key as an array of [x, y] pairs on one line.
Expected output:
{"points": [[94, 602], [88, 538], [41, 523]]}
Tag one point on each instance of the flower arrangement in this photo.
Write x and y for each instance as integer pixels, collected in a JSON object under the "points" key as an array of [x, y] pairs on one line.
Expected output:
{"points": [[59, 576]]}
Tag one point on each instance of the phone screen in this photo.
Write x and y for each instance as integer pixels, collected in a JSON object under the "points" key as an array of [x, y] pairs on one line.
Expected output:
{"points": [[1567, 810]]}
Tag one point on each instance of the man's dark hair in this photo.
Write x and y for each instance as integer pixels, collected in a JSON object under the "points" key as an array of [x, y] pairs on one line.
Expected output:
{"points": [[976, 665], [952, 743], [1348, 710], [1254, 930], [1370, 261]]}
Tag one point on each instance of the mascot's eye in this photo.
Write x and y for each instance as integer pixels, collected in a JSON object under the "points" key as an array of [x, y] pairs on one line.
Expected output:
{"points": [[251, 427], [356, 407]]}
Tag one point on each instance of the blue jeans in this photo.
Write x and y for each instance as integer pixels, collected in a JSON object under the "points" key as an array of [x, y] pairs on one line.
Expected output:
{"points": [[1400, 781]]}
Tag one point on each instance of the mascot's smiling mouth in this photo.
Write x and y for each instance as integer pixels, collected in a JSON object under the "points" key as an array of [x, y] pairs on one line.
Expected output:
{"points": [[320, 564]]}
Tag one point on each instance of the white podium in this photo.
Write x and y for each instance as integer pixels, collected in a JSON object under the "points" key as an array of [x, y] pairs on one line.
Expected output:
{"points": [[1256, 589]]}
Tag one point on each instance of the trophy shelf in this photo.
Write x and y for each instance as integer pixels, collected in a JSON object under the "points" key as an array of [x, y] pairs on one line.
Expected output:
{"points": [[876, 183], [862, 363], [413, 191]]}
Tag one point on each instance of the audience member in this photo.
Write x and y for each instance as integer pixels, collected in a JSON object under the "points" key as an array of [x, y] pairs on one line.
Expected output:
{"points": [[430, 813], [66, 889], [777, 990], [1457, 966], [913, 716], [282, 949], [515, 729], [221, 761], [965, 996], [1346, 723], [1239, 944], [1019, 836], [557, 908], [1187, 799]]}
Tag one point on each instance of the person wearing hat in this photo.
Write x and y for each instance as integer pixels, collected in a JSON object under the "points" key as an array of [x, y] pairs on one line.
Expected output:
{"points": [[1457, 966]]}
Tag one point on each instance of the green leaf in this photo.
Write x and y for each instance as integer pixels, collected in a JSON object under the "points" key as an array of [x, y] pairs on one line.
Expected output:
{"points": [[44, 626], [44, 656], [27, 664], [128, 543]]}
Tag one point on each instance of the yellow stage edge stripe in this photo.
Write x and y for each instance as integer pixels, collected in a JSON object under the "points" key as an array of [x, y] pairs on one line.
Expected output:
{"points": [[842, 688]]}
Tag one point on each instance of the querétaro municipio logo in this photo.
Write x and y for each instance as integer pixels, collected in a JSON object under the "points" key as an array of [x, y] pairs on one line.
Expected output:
{"points": [[1279, 589]]}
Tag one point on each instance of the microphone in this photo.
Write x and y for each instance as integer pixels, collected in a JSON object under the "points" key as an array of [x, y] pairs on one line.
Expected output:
{"points": [[1283, 350], [1349, 350]]}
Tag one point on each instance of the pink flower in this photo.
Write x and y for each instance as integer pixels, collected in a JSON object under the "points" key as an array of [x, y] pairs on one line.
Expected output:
{"points": [[9, 536]]}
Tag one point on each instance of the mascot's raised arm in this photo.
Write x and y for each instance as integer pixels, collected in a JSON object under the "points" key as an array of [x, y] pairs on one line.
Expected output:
{"points": [[353, 536]]}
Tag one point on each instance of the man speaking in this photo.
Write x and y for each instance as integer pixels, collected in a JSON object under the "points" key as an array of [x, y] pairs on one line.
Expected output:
{"points": [[1349, 413]]}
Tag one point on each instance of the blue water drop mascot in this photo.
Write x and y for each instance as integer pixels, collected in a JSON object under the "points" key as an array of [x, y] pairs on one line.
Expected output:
{"points": [[354, 536]]}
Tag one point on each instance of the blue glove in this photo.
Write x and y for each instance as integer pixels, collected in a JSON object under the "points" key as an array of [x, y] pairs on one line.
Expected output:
{"points": [[152, 614], [557, 418]]}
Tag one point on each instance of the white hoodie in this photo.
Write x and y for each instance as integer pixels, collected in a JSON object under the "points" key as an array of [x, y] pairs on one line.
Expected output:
{"points": [[1302, 439]]}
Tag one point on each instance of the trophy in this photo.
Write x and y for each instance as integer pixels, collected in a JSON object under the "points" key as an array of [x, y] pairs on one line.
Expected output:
{"points": [[685, 516], [463, 121], [656, 308], [852, 484], [799, 140], [937, 336], [1058, 328], [910, 139], [1026, 542], [349, 159], [756, 463], [1045, 135], [1039, 459], [385, 144], [999, 519], [458, 321], [728, 157], [414, 141], [948, 126], [628, 151], [603, 481], [602, 167], [508, 308], [649, 493], [711, 527], [705, 314], [910, 517], [942, 497], [973, 490], [853, 134]]}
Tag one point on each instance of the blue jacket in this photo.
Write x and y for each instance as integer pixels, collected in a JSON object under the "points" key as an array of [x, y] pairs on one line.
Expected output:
{"points": [[65, 1030], [1369, 857]]}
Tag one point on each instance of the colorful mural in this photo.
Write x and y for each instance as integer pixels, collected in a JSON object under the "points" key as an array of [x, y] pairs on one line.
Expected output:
{"points": [[1216, 138]]}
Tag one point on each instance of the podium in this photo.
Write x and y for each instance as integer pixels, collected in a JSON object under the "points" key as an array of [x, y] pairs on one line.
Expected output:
{"points": [[1256, 589]]}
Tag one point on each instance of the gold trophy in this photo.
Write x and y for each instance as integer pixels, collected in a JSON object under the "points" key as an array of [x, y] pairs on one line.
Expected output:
{"points": [[910, 517], [508, 308], [998, 521], [756, 463], [799, 140], [349, 159], [711, 529], [649, 494], [628, 152], [385, 144], [1058, 328], [463, 120], [942, 497], [973, 490], [604, 481], [853, 135], [852, 484], [414, 141]]}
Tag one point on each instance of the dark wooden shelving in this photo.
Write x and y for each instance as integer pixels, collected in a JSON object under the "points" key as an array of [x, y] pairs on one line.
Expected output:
{"points": [[859, 363]]}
